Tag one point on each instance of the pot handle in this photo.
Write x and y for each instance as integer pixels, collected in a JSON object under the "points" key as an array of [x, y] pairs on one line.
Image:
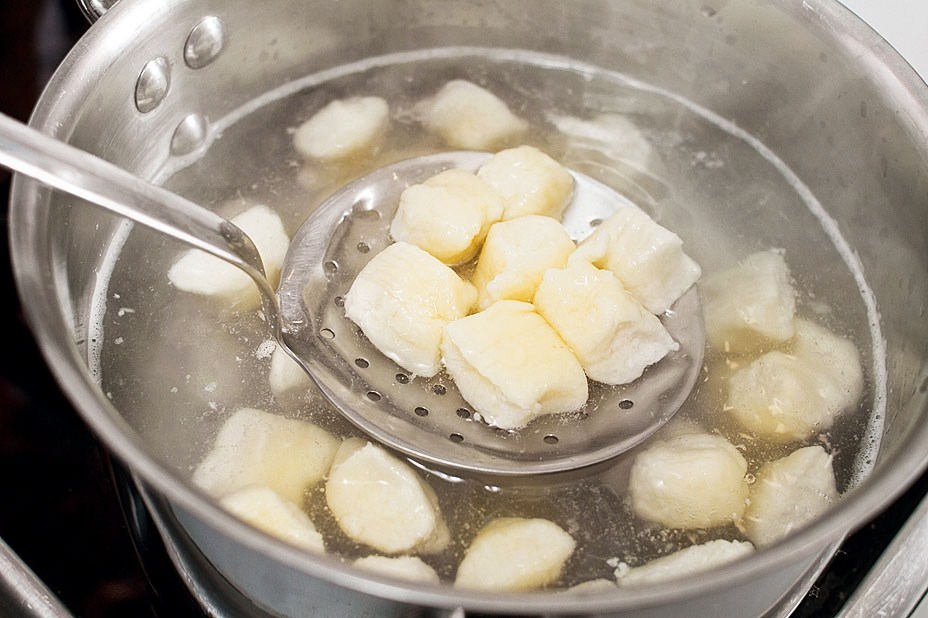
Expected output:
{"points": [[94, 9]]}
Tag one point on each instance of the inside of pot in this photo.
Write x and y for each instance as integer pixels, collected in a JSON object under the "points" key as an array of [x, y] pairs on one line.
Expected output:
{"points": [[741, 128]]}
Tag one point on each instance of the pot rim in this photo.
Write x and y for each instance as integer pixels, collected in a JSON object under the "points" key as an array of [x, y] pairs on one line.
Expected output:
{"points": [[91, 56]]}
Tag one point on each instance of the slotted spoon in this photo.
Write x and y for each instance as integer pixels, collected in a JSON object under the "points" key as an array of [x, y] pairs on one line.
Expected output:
{"points": [[424, 418]]}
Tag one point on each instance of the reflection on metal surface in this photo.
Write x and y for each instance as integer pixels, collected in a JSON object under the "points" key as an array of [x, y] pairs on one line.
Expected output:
{"points": [[94, 9], [900, 578], [22, 593], [189, 135], [204, 43], [153, 84]]}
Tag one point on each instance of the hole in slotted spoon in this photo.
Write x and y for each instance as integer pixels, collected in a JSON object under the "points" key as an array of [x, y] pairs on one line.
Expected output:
{"points": [[307, 298]]}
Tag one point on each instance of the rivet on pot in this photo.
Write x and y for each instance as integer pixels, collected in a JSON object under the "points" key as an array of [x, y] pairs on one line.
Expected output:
{"points": [[204, 42], [189, 135], [153, 84]]}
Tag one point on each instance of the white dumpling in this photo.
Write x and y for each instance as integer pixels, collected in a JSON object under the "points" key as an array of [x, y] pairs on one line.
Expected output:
{"points": [[380, 501], [689, 561], [611, 138], [516, 255], [788, 493], [510, 365], [841, 379], [402, 299], [515, 554], [647, 258], [689, 481], [448, 215], [789, 397], [529, 181], [593, 586], [749, 306], [613, 336], [264, 509], [401, 567], [198, 272], [285, 375], [343, 129], [470, 117], [254, 447]]}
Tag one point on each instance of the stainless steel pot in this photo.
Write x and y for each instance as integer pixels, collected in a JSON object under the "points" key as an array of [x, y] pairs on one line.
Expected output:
{"points": [[806, 78]]}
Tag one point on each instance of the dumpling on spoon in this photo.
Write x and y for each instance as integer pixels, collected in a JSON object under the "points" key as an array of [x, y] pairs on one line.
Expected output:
{"points": [[511, 366], [402, 299]]}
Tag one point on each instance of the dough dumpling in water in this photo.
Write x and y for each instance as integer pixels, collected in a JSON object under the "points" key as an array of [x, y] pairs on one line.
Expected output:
{"points": [[515, 554], [789, 397], [470, 117], [264, 509], [380, 501], [403, 567], [750, 305], [841, 379], [343, 129], [254, 447], [689, 481], [285, 375], [788, 493], [593, 586], [689, 561], [201, 273], [530, 182]]}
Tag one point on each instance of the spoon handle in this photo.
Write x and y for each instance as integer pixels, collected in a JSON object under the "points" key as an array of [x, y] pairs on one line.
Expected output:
{"points": [[79, 173]]}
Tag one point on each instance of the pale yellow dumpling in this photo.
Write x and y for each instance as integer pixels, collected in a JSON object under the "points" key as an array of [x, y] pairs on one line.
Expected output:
{"points": [[448, 215], [515, 554], [198, 272], [784, 396], [749, 306], [612, 335], [343, 129], [530, 182], [511, 366], [264, 509], [647, 258], [380, 501], [788, 493], [254, 447], [689, 481], [516, 255], [470, 117], [402, 299]]}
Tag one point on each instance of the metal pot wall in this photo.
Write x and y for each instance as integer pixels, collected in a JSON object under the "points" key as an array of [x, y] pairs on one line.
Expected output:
{"points": [[805, 78]]}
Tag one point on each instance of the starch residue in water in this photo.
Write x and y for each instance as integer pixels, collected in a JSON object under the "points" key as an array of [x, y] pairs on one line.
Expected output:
{"points": [[686, 163]]}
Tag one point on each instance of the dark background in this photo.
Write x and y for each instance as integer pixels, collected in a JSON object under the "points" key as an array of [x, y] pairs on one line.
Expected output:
{"points": [[59, 506]]}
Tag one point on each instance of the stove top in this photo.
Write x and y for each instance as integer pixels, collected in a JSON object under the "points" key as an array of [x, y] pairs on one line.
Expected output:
{"points": [[73, 515]]}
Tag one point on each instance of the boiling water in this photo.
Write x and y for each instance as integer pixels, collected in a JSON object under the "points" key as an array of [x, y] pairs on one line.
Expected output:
{"points": [[178, 365]]}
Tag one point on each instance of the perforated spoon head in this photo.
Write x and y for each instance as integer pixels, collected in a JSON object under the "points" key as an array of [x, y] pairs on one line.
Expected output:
{"points": [[427, 418]]}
